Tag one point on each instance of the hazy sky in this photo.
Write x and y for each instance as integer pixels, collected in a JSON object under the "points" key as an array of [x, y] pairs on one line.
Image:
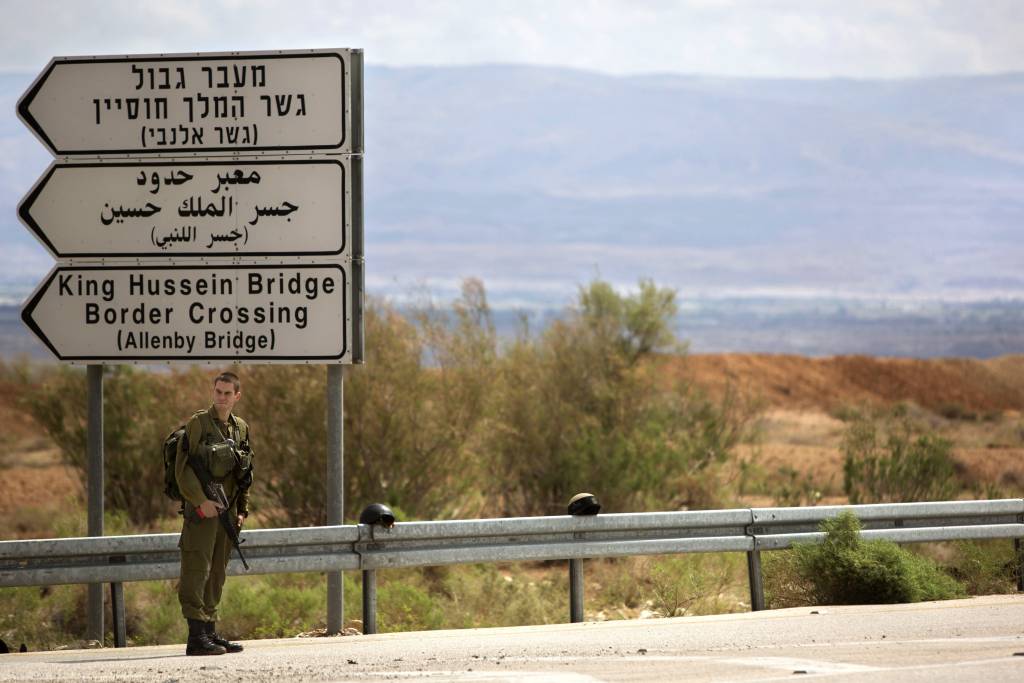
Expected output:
{"points": [[794, 38]]}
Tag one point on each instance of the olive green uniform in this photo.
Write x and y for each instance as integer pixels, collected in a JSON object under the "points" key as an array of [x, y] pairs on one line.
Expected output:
{"points": [[205, 546]]}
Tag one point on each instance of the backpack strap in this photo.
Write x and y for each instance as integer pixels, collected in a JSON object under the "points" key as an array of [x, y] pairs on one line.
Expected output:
{"points": [[243, 430], [208, 424]]}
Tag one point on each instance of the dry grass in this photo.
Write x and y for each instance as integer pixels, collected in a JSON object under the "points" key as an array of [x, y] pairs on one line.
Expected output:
{"points": [[800, 426]]}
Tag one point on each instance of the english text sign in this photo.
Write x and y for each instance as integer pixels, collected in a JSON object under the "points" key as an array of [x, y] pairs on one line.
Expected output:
{"points": [[264, 313]]}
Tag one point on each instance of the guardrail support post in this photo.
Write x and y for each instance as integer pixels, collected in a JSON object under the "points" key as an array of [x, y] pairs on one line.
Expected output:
{"points": [[117, 609], [576, 591], [335, 489], [1018, 548], [756, 581], [94, 486], [369, 601]]}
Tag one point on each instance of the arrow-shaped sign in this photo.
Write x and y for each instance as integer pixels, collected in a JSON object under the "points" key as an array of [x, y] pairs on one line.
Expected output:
{"points": [[199, 103], [268, 313], [238, 209]]}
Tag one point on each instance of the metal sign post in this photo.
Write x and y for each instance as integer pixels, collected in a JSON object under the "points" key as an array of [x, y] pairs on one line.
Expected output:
{"points": [[335, 488], [94, 496]]}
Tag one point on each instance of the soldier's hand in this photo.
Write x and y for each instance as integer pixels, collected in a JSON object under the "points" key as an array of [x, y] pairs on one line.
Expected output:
{"points": [[241, 520], [210, 508]]}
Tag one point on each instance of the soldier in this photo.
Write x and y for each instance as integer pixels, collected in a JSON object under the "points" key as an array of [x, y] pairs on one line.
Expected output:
{"points": [[220, 441]]}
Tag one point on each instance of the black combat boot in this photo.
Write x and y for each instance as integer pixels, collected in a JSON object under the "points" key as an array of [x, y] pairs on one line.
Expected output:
{"points": [[211, 631], [199, 642]]}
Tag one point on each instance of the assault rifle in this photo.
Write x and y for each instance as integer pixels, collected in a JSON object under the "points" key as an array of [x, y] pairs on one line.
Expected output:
{"points": [[215, 492]]}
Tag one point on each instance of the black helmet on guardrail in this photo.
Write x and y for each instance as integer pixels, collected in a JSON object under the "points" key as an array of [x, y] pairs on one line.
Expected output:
{"points": [[584, 504], [377, 513]]}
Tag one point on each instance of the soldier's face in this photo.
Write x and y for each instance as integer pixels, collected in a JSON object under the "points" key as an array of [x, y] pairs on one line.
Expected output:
{"points": [[224, 395]]}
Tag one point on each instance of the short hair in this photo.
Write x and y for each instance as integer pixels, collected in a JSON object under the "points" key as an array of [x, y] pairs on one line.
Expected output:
{"points": [[229, 377]]}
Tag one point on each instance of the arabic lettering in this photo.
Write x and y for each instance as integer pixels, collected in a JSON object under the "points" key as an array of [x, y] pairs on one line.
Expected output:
{"points": [[238, 177], [120, 213], [185, 233], [176, 178], [225, 237], [284, 210], [193, 207]]}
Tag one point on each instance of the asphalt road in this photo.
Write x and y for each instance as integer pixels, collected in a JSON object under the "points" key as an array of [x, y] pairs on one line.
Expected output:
{"points": [[979, 639]]}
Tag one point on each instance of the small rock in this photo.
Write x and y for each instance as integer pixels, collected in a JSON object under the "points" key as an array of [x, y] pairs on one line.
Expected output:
{"points": [[352, 661], [642, 651]]}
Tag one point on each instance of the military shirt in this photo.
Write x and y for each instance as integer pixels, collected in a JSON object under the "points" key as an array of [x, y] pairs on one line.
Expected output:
{"points": [[223, 470]]}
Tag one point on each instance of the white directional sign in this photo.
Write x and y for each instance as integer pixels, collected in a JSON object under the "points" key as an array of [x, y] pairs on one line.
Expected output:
{"points": [[263, 313], [199, 103], [232, 208]]}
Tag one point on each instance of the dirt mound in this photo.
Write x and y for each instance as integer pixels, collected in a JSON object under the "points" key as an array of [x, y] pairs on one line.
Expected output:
{"points": [[943, 385]]}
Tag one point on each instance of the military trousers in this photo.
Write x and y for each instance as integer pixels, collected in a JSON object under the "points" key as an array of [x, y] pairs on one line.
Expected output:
{"points": [[205, 550]]}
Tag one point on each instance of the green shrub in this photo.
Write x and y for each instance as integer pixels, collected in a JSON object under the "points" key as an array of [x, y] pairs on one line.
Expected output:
{"points": [[139, 409], [272, 606], [784, 584], [985, 567], [693, 583], [794, 488], [588, 406], [403, 606], [891, 460], [846, 569]]}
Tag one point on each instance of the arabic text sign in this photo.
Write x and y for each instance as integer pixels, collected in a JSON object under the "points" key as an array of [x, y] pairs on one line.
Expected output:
{"points": [[267, 313], [189, 209], [215, 102]]}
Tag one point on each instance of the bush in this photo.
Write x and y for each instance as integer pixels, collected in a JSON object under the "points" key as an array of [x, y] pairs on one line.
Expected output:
{"points": [[847, 570], [795, 489], [415, 414], [139, 409], [692, 583], [985, 567], [890, 460], [588, 406], [409, 426]]}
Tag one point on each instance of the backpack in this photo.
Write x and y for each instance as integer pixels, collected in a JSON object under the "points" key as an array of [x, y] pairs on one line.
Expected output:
{"points": [[170, 450]]}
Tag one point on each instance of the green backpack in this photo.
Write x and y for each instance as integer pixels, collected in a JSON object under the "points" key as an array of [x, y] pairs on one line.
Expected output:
{"points": [[170, 450]]}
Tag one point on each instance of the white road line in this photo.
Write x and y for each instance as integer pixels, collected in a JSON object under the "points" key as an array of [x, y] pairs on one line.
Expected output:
{"points": [[944, 666], [791, 664], [490, 676], [785, 663]]}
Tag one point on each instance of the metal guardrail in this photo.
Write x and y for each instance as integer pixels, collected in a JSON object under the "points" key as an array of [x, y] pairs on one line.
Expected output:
{"points": [[369, 548]]}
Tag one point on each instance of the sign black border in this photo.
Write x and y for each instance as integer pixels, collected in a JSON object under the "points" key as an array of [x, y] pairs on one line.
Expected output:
{"points": [[31, 304], [31, 122], [24, 208]]}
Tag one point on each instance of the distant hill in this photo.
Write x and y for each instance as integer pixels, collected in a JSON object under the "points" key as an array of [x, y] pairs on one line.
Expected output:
{"points": [[909, 187], [951, 386]]}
